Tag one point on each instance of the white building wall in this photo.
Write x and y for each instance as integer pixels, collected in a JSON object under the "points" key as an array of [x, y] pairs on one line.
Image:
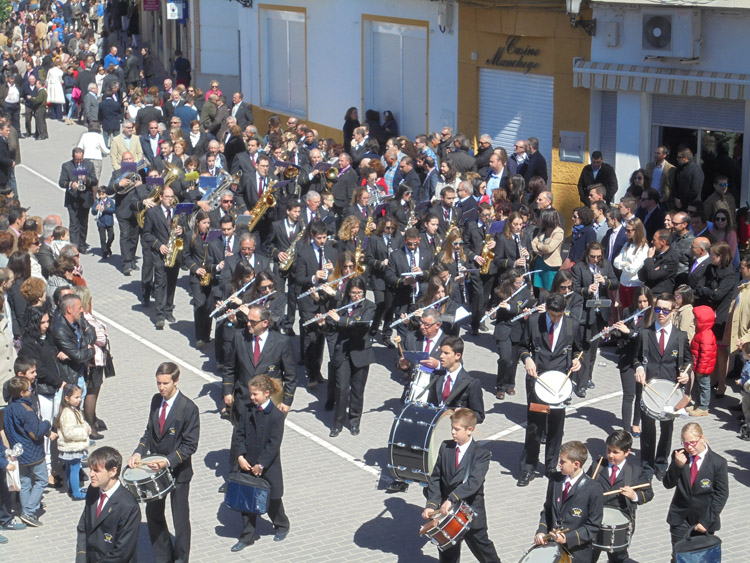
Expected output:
{"points": [[219, 45], [334, 54]]}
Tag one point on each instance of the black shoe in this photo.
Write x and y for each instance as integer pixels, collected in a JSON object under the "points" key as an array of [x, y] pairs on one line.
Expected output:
{"points": [[30, 520], [127, 271], [320, 379], [170, 318], [239, 546], [335, 432], [397, 487], [329, 405], [134, 267], [159, 324], [83, 250], [144, 301], [659, 475], [526, 478], [96, 436], [281, 536], [475, 332], [100, 425], [354, 430], [591, 385], [580, 393], [223, 488]]}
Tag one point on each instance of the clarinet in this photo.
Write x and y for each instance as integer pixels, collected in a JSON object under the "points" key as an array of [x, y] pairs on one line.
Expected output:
{"points": [[596, 293], [457, 257]]}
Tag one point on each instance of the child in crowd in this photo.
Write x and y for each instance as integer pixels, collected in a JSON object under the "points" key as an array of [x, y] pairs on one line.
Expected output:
{"points": [[73, 440], [574, 503], [104, 211], [703, 349], [23, 426], [326, 201], [60, 239]]}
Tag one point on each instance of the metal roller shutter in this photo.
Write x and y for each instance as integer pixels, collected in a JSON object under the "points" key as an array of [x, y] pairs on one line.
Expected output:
{"points": [[516, 106], [698, 113]]}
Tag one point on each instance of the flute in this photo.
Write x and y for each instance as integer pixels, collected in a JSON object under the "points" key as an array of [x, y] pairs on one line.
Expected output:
{"points": [[609, 329], [497, 308], [315, 288], [228, 299], [410, 315], [526, 314], [316, 318], [232, 312]]}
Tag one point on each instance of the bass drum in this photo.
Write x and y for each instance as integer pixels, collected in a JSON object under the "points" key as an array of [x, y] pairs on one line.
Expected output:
{"points": [[548, 553], [415, 440]]}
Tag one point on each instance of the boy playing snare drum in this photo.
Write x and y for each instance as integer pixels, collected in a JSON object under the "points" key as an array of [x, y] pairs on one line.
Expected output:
{"points": [[459, 476], [617, 472]]}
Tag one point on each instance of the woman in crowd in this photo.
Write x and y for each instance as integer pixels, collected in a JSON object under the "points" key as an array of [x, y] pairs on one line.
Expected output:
{"points": [[630, 261], [684, 319], [547, 246], [351, 122], [638, 181], [20, 265], [349, 235], [724, 229], [449, 176], [583, 234], [196, 259], [61, 274], [29, 242]]}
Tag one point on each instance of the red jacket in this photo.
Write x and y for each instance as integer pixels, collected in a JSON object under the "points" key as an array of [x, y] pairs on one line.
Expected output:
{"points": [[703, 346]]}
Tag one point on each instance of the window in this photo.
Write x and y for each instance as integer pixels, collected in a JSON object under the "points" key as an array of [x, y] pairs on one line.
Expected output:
{"points": [[395, 73], [283, 61]]}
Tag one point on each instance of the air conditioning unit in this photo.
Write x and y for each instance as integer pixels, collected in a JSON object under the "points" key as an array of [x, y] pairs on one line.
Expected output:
{"points": [[671, 33]]}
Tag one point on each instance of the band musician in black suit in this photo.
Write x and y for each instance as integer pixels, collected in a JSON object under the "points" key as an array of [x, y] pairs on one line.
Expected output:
{"points": [[161, 222], [343, 188], [285, 234], [126, 218], [108, 527], [458, 476], [407, 289], [452, 386], [593, 278], [662, 351], [549, 346], [195, 258], [312, 267], [380, 246], [78, 180], [700, 479], [171, 435]]}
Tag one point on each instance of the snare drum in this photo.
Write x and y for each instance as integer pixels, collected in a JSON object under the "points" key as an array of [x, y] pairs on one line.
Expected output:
{"points": [[656, 401], [445, 531], [615, 531], [550, 552], [546, 388], [415, 440], [146, 484], [418, 388]]}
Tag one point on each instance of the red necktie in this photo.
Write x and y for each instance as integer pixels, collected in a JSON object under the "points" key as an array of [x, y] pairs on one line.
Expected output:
{"points": [[613, 475], [565, 491], [693, 470], [447, 215], [661, 340], [256, 351], [364, 213], [458, 453], [551, 335], [427, 345], [102, 498], [162, 416], [260, 187], [226, 247], [446, 387]]}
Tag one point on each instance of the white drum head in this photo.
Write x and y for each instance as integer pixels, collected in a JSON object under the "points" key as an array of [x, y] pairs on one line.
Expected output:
{"points": [[547, 388], [614, 517], [660, 405], [440, 433], [547, 553], [417, 391], [135, 474]]}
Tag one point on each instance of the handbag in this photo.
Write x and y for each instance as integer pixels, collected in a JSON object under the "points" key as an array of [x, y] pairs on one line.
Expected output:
{"points": [[109, 364], [247, 493], [75, 95], [701, 548]]}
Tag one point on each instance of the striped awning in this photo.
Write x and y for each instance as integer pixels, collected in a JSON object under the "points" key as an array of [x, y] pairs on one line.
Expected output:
{"points": [[680, 82]]}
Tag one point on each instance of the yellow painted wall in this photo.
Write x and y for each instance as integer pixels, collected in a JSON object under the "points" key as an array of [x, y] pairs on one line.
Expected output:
{"points": [[482, 31], [261, 116]]}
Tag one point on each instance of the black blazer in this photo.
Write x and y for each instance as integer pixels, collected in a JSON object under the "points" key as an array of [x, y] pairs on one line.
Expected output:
{"points": [[620, 241], [703, 501], [697, 278], [507, 251], [216, 252], [354, 341], [179, 440], [343, 188], [654, 222], [581, 513], [582, 279], [716, 291], [305, 266], [73, 197], [631, 474], [447, 480], [156, 229], [376, 253], [195, 255], [398, 263], [258, 437], [536, 165], [224, 278], [659, 272], [439, 210], [677, 357], [536, 346], [279, 240], [244, 115], [398, 211], [276, 360], [113, 536], [504, 328], [473, 244], [148, 154], [466, 392], [145, 115], [606, 176]]}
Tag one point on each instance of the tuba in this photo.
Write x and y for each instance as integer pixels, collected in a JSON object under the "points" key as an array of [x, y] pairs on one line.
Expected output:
{"points": [[174, 246], [132, 178], [266, 201], [332, 174], [171, 173]]}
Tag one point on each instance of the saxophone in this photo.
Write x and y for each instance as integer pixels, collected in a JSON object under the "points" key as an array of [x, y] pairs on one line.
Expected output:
{"points": [[286, 264], [205, 279], [488, 256], [264, 203], [359, 258], [370, 226], [174, 247]]}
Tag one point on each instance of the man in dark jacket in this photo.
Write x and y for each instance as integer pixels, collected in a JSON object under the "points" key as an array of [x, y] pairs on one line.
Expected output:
{"points": [[75, 338], [536, 163], [78, 179], [110, 116], [688, 180], [598, 172], [461, 158], [660, 268]]}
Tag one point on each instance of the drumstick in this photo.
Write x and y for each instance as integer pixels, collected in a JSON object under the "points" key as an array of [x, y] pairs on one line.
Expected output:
{"points": [[618, 491], [654, 390], [676, 385], [145, 463], [598, 465], [397, 339], [570, 371], [547, 387]]}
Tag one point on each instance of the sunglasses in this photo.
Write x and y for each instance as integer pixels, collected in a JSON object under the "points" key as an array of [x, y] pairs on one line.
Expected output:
{"points": [[662, 310]]}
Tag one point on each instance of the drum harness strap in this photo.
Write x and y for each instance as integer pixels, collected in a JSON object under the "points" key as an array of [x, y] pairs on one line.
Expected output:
{"points": [[680, 345], [536, 337]]}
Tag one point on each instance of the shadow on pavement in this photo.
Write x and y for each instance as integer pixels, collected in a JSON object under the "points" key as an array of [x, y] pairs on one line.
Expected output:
{"points": [[506, 454], [378, 533], [218, 462], [607, 421]]}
